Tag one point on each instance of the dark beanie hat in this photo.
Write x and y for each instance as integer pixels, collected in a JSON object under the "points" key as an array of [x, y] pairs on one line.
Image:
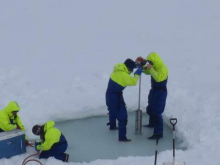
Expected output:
{"points": [[36, 129], [130, 64]]}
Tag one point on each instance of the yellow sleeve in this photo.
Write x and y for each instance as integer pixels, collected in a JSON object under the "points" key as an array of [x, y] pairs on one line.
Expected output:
{"points": [[146, 71], [20, 123], [21, 126], [131, 81], [159, 75], [51, 137], [45, 146], [5, 123]]}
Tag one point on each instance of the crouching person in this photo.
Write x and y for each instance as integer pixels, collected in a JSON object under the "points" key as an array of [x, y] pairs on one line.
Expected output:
{"points": [[53, 143]]}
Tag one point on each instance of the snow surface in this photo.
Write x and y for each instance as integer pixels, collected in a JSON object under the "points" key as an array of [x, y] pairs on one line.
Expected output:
{"points": [[57, 56]]}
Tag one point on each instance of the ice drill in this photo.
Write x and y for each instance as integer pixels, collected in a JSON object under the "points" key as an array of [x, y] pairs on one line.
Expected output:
{"points": [[138, 118]]}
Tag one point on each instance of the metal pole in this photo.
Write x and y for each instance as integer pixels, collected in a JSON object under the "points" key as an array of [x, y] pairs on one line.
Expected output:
{"points": [[155, 161], [138, 120], [173, 144], [139, 100]]}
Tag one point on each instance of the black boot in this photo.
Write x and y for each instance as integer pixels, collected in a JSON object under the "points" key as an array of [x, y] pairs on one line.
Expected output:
{"points": [[67, 158], [113, 128], [148, 126], [124, 140], [156, 136]]}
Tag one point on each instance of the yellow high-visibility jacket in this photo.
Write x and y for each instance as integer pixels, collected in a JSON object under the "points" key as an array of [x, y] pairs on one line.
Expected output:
{"points": [[52, 136], [8, 121], [121, 75], [159, 71]]}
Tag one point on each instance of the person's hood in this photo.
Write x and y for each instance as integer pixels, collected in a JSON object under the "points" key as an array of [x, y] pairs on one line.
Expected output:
{"points": [[12, 106], [156, 60], [48, 125], [121, 67]]}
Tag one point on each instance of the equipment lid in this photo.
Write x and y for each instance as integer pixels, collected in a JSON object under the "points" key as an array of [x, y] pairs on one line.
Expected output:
{"points": [[10, 134]]}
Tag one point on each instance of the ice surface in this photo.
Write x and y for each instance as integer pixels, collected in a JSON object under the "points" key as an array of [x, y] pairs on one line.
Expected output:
{"points": [[90, 139], [57, 57], [175, 163]]}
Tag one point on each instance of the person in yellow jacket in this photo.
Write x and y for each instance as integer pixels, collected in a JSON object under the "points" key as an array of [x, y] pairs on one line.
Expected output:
{"points": [[120, 78], [9, 118], [53, 143], [158, 71]]}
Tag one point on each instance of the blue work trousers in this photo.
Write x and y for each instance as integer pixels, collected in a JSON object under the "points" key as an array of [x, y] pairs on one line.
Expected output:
{"points": [[57, 150], [117, 110], [155, 108]]}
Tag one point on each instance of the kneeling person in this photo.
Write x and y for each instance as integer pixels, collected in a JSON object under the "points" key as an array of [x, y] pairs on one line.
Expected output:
{"points": [[53, 143]]}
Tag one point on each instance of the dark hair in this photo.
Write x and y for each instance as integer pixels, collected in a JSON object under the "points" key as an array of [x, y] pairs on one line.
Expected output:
{"points": [[39, 130], [42, 133], [130, 64]]}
